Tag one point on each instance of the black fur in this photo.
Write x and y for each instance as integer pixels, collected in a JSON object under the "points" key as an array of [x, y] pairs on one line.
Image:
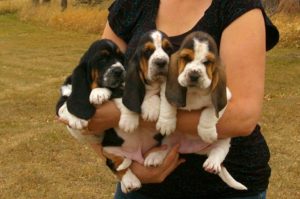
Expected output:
{"points": [[81, 79]]}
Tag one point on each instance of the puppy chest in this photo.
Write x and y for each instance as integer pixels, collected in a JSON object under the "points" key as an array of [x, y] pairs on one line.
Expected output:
{"points": [[194, 101]]}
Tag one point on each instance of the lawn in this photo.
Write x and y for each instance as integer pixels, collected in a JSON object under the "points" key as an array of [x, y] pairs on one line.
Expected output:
{"points": [[39, 159]]}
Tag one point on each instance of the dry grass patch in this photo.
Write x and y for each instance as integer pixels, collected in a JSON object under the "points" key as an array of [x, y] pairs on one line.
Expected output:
{"points": [[39, 159]]}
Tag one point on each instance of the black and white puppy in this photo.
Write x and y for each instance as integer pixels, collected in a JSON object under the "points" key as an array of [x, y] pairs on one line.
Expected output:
{"points": [[147, 70], [197, 81], [98, 77]]}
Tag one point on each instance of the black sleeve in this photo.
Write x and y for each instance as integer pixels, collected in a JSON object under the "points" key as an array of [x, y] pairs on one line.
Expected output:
{"points": [[233, 9], [123, 15]]}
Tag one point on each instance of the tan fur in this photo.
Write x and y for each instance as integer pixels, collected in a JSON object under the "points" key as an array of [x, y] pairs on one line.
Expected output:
{"points": [[117, 161], [95, 77], [144, 69]]}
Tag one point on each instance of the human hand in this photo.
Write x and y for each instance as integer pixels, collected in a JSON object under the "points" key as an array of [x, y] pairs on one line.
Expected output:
{"points": [[107, 115], [158, 174]]}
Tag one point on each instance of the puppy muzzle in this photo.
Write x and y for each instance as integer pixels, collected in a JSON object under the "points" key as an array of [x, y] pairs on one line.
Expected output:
{"points": [[114, 78]]}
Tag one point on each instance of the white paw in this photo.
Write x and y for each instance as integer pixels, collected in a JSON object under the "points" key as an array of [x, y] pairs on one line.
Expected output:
{"points": [[155, 159], [212, 165], [99, 95], [124, 165], [208, 134], [166, 126], [130, 182], [151, 108], [74, 122], [129, 122]]}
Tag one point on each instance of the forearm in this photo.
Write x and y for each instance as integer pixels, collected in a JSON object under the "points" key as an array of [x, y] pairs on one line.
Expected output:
{"points": [[236, 121]]}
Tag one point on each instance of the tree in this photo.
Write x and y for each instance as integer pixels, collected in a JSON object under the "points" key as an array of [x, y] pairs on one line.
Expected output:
{"points": [[63, 4]]}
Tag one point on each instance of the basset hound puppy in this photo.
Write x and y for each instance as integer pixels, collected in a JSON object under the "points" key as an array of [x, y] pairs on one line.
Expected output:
{"points": [[147, 70], [196, 81], [100, 77]]}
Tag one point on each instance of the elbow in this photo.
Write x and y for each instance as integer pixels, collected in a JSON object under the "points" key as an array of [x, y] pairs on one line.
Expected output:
{"points": [[248, 120]]}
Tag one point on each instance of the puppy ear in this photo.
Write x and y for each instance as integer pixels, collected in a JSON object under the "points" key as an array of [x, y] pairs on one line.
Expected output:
{"points": [[134, 91], [218, 88], [175, 93], [78, 102]]}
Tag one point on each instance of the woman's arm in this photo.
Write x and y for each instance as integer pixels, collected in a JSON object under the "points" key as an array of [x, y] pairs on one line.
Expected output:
{"points": [[242, 51]]}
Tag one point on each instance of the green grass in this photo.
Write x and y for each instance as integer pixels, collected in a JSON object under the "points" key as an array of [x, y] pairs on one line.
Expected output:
{"points": [[39, 159]]}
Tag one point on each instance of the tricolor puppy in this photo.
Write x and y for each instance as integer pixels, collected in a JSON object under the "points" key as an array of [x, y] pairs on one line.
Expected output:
{"points": [[196, 81], [147, 70], [98, 77]]}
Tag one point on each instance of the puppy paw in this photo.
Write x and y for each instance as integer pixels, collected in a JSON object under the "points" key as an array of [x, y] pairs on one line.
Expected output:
{"points": [[99, 95], [212, 165], [129, 123], [208, 134], [166, 126], [130, 182], [155, 159], [151, 108], [74, 122]]}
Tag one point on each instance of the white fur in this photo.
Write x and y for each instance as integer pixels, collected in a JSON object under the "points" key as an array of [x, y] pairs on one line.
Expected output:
{"points": [[129, 120], [74, 122], [158, 53], [130, 182], [124, 165], [151, 104], [99, 95], [166, 123], [66, 90], [155, 158]]}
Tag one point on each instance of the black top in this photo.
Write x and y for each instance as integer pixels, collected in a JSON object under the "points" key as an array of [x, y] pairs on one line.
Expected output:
{"points": [[248, 157]]}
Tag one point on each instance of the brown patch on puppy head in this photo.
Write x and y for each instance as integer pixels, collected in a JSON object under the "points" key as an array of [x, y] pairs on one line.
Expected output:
{"points": [[143, 69], [149, 46], [210, 64], [166, 44], [185, 55], [95, 77]]}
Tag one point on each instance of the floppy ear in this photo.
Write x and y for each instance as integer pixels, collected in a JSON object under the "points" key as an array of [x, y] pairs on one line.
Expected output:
{"points": [[78, 102], [134, 91], [175, 93], [218, 88]]}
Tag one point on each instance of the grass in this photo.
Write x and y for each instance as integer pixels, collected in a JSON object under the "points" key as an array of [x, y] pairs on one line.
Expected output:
{"points": [[39, 159]]}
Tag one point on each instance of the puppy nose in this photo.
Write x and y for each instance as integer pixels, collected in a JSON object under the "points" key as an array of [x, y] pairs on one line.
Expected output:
{"points": [[194, 76], [161, 63], [118, 72]]}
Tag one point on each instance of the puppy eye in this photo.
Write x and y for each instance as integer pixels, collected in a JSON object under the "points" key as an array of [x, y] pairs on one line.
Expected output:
{"points": [[168, 50], [187, 58], [148, 52], [207, 62]]}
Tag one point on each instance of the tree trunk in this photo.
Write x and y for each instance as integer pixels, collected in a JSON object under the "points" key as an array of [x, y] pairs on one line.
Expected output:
{"points": [[63, 4]]}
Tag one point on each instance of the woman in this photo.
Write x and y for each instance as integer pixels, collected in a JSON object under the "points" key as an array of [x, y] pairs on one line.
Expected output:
{"points": [[243, 34]]}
